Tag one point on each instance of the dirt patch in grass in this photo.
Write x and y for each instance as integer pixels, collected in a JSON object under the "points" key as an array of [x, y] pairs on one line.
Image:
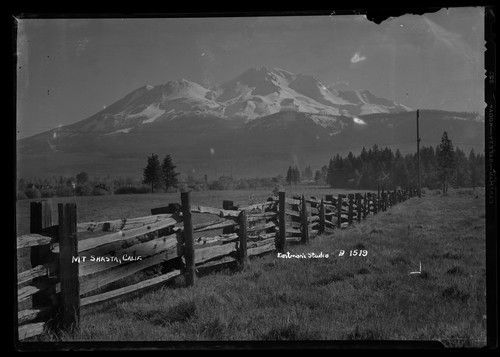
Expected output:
{"points": [[363, 271], [455, 293]]}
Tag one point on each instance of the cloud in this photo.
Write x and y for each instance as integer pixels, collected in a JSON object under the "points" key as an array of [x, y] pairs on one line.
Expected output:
{"points": [[357, 58]]}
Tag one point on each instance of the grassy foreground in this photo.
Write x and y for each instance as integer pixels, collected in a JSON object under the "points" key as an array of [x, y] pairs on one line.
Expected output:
{"points": [[335, 298]]}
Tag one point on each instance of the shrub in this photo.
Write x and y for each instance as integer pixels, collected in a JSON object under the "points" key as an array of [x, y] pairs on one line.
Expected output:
{"points": [[195, 187], [48, 192], [125, 190], [216, 185], [242, 185], [65, 191], [21, 195], [97, 191], [32, 193], [172, 190], [83, 190]]}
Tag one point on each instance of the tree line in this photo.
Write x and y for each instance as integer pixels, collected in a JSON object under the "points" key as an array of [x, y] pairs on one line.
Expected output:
{"points": [[440, 167]]}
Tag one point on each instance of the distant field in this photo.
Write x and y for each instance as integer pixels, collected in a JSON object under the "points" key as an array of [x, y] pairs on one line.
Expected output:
{"points": [[102, 208], [339, 298]]}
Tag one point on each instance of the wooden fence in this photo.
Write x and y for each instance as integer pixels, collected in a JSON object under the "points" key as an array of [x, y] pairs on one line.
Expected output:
{"points": [[65, 271]]}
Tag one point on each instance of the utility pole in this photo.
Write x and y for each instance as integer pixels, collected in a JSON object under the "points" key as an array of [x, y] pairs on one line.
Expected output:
{"points": [[418, 159]]}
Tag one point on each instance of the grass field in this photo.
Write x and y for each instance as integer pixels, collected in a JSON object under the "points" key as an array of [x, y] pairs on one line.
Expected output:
{"points": [[101, 208], [335, 298]]}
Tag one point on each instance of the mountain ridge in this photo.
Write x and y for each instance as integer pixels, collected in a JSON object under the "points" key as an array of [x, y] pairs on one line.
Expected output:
{"points": [[256, 93], [261, 121]]}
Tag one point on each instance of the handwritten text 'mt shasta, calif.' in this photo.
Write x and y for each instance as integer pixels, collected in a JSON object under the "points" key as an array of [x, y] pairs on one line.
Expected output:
{"points": [[105, 259]]}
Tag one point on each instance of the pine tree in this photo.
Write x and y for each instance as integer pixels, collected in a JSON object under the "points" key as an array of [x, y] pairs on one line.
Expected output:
{"points": [[318, 177], [308, 173], [152, 174], [472, 168], [296, 175], [289, 175], [400, 172], [462, 174], [446, 160], [169, 175], [330, 173]]}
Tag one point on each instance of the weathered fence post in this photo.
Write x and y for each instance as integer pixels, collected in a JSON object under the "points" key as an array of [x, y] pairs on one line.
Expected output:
{"points": [[351, 208], [242, 235], [339, 211], [188, 239], [297, 219], [358, 206], [365, 206], [329, 212], [281, 246], [69, 300], [40, 219], [229, 205], [375, 204], [322, 217], [304, 223]]}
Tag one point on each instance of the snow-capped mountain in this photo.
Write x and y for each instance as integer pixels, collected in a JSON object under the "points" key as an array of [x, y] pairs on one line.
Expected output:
{"points": [[256, 93], [264, 91], [256, 124]]}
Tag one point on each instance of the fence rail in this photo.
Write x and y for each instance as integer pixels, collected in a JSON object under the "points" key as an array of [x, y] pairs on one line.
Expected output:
{"points": [[64, 271]]}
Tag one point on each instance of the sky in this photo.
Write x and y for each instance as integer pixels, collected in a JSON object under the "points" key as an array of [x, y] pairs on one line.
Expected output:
{"points": [[69, 69]]}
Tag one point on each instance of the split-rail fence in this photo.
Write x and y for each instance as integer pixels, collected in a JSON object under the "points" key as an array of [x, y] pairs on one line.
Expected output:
{"points": [[69, 270]]}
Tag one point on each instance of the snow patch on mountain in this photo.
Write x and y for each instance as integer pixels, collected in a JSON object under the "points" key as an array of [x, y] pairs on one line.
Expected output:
{"points": [[368, 103], [152, 112], [122, 131]]}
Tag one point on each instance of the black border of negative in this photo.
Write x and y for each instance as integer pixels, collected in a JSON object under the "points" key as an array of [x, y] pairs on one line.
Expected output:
{"points": [[374, 14]]}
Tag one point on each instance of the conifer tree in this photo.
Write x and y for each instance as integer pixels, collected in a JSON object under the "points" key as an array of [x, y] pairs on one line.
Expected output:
{"points": [[152, 174], [289, 175], [446, 160], [169, 176]]}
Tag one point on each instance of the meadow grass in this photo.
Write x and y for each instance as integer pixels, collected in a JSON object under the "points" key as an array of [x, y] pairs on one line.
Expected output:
{"points": [[336, 298], [101, 208]]}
